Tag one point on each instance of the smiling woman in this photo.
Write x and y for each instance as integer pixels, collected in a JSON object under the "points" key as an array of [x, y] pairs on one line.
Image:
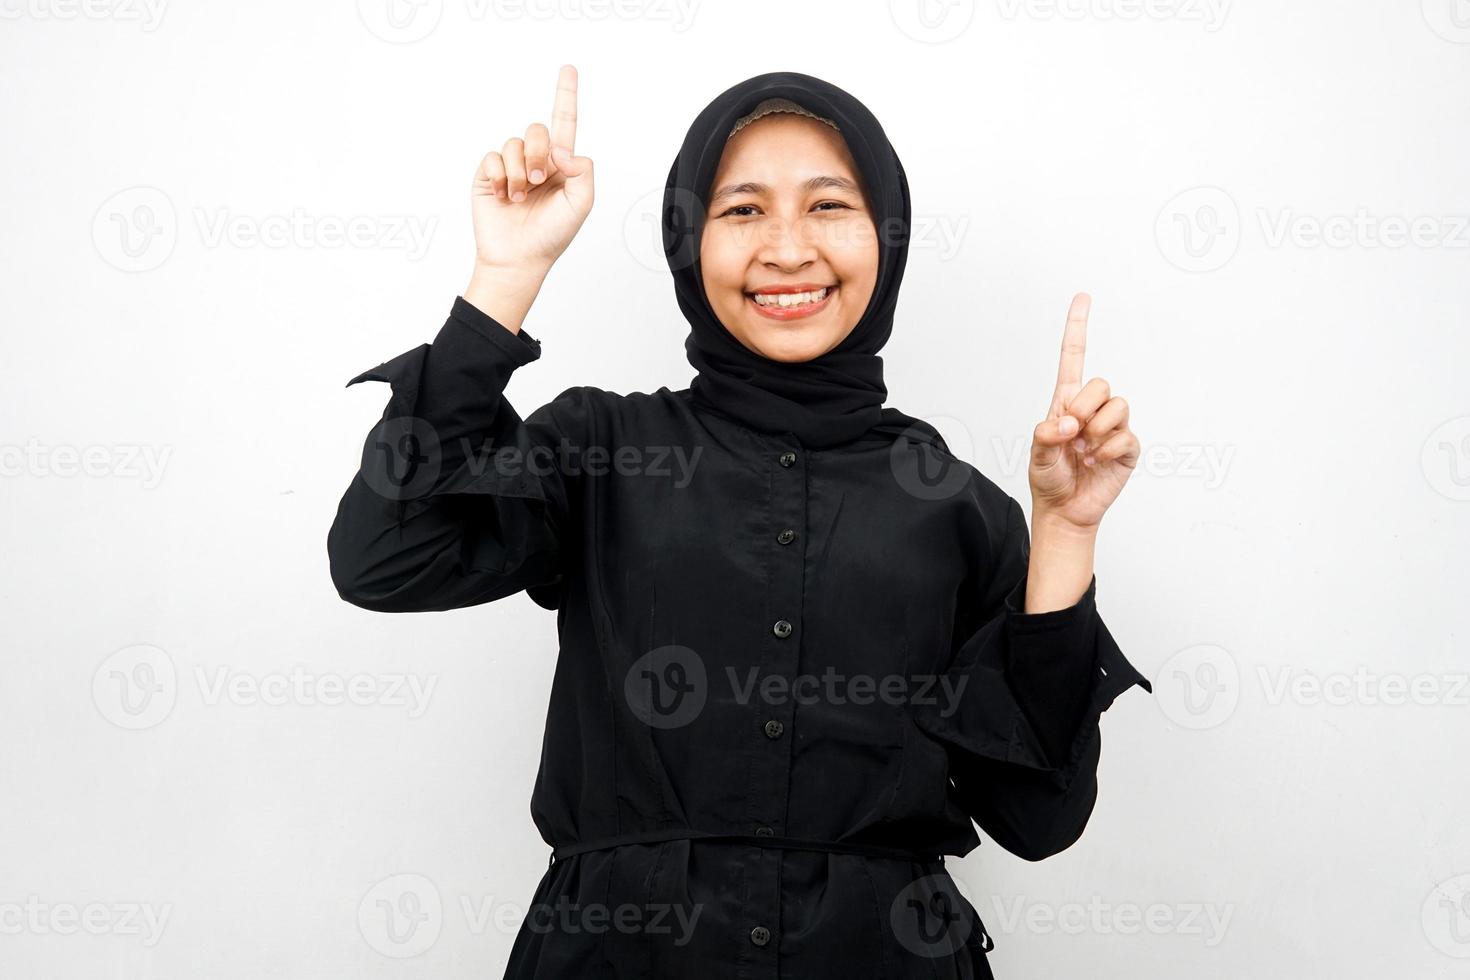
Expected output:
{"points": [[789, 252], [755, 823]]}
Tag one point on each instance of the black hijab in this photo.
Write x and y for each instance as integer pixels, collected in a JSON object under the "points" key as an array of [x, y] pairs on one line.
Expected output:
{"points": [[838, 396]]}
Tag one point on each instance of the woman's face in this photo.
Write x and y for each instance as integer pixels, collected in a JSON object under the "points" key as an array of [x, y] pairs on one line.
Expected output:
{"points": [[787, 219]]}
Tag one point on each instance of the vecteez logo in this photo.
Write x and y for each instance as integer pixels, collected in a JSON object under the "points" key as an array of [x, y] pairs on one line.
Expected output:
{"points": [[1210, 14], [932, 21], [401, 916], [925, 471], [138, 228], [400, 21], [1199, 687], [667, 687], [1198, 230], [407, 21], [1450, 19], [136, 687], [1445, 458], [147, 14]]}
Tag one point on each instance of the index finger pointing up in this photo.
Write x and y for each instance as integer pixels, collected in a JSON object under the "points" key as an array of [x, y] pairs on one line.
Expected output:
{"points": [[1074, 346], [564, 110]]}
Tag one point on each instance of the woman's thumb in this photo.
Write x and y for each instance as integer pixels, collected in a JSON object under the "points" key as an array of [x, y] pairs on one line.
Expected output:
{"points": [[577, 172], [571, 166], [1048, 438]]}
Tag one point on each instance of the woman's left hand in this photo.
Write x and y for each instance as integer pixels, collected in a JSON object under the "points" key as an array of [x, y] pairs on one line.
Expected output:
{"points": [[1084, 452]]}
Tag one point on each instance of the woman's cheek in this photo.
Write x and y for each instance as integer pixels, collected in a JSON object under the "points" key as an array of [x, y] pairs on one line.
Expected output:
{"points": [[854, 246]]}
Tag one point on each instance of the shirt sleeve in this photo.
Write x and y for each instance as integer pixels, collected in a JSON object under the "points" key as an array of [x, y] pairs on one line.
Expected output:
{"points": [[457, 500], [1023, 731]]}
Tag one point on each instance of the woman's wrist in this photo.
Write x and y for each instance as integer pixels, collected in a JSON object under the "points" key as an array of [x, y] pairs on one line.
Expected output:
{"points": [[1061, 563], [1054, 526], [505, 293]]}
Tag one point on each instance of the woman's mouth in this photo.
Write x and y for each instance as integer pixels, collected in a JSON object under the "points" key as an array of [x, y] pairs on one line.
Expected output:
{"points": [[790, 303]]}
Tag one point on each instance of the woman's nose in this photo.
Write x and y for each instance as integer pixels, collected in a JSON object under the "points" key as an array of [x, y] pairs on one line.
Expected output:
{"points": [[786, 243]]}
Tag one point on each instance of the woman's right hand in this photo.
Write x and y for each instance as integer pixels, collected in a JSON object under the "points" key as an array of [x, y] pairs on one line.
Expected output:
{"points": [[529, 199]]}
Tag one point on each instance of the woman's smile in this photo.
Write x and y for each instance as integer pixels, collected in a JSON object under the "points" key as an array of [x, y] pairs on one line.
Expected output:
{"points": [[791, 302]]}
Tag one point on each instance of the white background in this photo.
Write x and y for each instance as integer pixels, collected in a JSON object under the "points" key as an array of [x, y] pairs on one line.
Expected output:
{"points": [[1267, 200]]}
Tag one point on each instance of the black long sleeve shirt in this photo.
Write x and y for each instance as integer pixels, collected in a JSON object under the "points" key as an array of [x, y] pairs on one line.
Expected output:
{"points": [[788, 680]]}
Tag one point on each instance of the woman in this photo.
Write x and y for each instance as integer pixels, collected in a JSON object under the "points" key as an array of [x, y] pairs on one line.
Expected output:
{"points": [[802, 645]]}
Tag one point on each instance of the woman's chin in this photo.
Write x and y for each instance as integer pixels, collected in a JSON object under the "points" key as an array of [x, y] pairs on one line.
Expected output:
{"points": [[791, 344], [788, 353]]}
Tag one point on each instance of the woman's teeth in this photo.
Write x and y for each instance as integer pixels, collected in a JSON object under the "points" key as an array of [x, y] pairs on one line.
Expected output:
{"points": [[790, 299]]}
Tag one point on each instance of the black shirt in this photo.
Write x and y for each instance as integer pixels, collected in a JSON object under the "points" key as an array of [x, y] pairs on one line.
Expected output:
{"points": [[789, 679]]}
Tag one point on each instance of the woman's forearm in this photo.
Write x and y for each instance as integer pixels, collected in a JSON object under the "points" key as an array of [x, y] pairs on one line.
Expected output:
{"points": [[1061, 563], [505, 293]]}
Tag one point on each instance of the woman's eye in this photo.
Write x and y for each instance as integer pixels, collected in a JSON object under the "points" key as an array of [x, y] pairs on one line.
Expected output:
{"points": [[748, 210]]}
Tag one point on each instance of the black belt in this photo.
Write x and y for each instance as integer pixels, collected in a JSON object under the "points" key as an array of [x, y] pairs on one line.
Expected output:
{"points": [[563, 851], [979, 936]]}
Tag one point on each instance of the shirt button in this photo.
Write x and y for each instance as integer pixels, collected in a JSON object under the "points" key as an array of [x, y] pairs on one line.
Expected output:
{"points": [[788, 458], [782, 628], [774, 728], [760, 935], [787, 536], [764, 832]]}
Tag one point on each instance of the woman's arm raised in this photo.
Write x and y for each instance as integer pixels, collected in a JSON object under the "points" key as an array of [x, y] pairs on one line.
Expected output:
{"points": [[1025, 740], [528, 202], [457, 501]]}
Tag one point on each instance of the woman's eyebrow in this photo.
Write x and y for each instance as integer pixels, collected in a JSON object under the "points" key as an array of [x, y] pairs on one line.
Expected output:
{"points": [[810, 184]]}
